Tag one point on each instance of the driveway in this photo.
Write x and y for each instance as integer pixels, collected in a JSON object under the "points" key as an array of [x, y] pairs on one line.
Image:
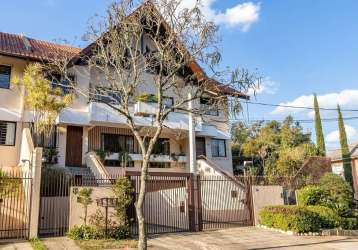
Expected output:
{"points": [[249, 238]]}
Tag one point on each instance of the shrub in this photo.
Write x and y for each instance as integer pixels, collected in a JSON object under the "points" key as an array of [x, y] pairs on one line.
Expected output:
{"points": [[120, 232], [349, 223], [329, 218], [340, 194], [84, 232], [294, 218], [311, 195], [123, 191]]}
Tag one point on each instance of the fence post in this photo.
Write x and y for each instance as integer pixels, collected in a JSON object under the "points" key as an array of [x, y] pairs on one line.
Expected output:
{"points": [[199, 204], [191, 203], [35, 192]]}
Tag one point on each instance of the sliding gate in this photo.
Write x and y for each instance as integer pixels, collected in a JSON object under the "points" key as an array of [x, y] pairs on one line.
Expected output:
{"points": [[223, 202]]}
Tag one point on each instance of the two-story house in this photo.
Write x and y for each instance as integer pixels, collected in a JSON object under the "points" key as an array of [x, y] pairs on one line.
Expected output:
{"points": [[89, 126]]}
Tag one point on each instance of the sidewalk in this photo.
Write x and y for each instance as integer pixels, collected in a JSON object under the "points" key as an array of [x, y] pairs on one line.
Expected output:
{"points": [[247, 238], [25, 245]]}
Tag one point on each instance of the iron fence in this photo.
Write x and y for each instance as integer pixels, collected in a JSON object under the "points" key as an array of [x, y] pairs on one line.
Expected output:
{"points": [[15, 204]]}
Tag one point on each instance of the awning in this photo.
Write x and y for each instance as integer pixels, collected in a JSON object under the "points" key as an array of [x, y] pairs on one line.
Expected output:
{"points": [[9, 115], [212, 131]]}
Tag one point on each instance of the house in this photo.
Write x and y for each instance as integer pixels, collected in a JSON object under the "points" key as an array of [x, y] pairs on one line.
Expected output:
{"points": [[89, 126], [337, 164]]}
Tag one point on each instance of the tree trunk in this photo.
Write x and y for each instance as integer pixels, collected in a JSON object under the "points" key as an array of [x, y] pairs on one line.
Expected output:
{"points": [[142, 241]]}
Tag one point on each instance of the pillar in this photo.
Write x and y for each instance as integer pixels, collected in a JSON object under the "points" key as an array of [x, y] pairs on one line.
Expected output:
{"points": [[35, 192], [192, 147]]}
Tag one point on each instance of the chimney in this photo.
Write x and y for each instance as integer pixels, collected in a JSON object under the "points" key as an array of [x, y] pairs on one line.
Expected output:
{"points": [[26, 42]]}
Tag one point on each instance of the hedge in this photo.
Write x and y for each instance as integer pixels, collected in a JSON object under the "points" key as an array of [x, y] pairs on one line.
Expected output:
{"points": [[291, 218], [329, 218]]}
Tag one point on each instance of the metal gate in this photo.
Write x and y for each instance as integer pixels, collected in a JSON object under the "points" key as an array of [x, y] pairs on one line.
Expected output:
{"points": [[15, 204], [223, 202], [54, 203], [166, 205]]}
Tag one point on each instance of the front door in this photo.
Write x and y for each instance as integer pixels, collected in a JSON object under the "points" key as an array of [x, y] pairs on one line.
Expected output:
{"points": [[74, 146], [200, 146]]}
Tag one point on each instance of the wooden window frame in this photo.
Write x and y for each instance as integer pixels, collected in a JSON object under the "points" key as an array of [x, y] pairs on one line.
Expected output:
{"points": [[10, 67]]}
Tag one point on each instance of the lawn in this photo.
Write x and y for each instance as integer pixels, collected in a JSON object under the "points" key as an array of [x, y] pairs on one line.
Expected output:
{"points": [[106, 244]]}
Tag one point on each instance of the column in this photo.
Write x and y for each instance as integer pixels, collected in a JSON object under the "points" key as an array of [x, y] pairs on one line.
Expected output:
{"points": [[36, 192], [192, 147]]}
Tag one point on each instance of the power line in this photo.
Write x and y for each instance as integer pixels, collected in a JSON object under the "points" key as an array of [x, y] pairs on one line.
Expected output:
{"points": [[302, 120], [298, 107]]}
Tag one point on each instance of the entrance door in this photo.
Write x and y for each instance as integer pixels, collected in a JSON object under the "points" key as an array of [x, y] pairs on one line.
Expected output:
{"points": [[200, 146], [74, 146]]}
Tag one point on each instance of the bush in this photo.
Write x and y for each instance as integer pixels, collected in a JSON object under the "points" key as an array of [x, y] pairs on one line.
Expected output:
{"points": [[311, 195], [84, 232], [329, 218], [294, 218], [340, 194], [120, 232], [349, 223]]}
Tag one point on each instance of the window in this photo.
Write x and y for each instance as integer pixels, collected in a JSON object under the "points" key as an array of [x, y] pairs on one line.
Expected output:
{"points": [[7, 133], [161, 147], [5, 75], [209, 107], [115, 143], [64, 84], [106, 95], [159, 164], [218, 148], [168, 102]]}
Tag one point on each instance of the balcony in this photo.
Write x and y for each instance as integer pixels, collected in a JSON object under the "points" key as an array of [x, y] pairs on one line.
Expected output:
{"points": [[154, 158], [145, 108]]}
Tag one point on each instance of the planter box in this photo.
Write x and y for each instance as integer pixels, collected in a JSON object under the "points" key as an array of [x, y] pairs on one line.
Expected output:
{"points": [[145, 108]]}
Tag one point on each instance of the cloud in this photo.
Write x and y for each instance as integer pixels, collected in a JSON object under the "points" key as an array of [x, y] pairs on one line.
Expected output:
{"points": [[347, 99], [241, 15], [267, 86], [333, 137]]}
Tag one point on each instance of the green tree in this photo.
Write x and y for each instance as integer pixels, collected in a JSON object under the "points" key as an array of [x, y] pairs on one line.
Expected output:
{"points": [[277, 148], [84, 197], [45, 101], [344, 148], [318, 127]]}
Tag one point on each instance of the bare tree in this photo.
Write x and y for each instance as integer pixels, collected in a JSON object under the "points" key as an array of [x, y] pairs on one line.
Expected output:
{"points": [[161, 43]]}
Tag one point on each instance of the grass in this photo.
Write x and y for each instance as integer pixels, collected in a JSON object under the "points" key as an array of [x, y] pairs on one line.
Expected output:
{"points": [[37, 244], [106, 244]]}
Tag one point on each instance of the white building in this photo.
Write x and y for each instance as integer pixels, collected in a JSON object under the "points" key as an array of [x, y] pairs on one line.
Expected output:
{"points": [[88, 126]]}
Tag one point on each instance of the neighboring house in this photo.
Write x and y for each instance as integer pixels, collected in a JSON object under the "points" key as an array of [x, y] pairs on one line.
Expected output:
{"points": [[337, 164], [88, 126]]}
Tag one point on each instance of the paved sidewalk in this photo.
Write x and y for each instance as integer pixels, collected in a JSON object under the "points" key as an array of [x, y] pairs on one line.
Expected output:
{"points": [[60, 243], [25, 245], [249, 238]]}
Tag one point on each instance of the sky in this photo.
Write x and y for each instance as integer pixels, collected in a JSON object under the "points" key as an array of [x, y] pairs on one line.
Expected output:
{"points": [[300, 47]]}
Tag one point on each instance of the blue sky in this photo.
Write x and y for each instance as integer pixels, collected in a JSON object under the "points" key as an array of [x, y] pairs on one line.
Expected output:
{"points": [[299, 46]]}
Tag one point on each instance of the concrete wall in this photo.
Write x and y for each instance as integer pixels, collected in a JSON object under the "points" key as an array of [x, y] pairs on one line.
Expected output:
{"points": [[77, 210], [265, 196], [11, 109]]}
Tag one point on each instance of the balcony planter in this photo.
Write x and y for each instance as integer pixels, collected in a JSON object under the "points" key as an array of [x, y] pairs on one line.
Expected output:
{"points": [[145, 108]]}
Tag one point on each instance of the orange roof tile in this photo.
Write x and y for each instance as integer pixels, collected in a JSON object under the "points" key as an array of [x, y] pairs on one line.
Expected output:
{"points": [[24, 47]]}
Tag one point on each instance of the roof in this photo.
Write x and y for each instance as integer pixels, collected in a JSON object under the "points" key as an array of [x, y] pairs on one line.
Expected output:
{"points": [[39, 50], [336, 155], [213, 85], [33, 49]]}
